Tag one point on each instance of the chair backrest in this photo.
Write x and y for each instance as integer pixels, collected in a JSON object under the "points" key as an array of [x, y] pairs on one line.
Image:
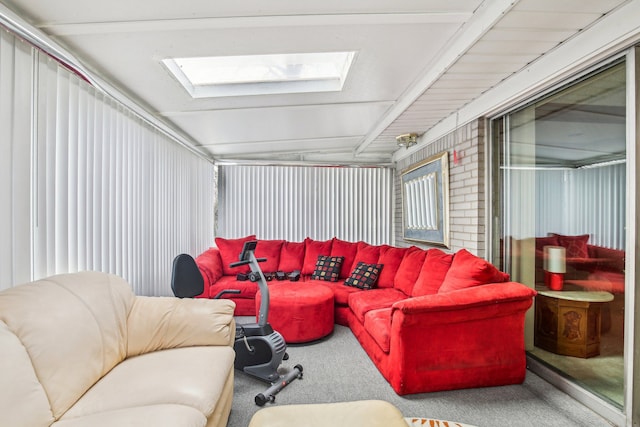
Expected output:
{"points": [[186, 279]]}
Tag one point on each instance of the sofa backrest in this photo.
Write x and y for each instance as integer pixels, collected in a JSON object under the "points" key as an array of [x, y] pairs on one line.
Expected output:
{"points": [[23, 401], [73, 329]]}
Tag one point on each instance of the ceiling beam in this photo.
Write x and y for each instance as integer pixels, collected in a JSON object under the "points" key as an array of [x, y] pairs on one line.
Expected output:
{"points": [[250, 22], [469, 33]]}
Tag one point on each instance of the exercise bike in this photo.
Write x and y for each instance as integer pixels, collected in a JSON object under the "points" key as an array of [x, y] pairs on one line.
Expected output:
{"points": [[259, 349]]}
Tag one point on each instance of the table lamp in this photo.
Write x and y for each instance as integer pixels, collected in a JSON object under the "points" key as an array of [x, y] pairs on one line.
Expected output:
{"points": [[554, 267]]}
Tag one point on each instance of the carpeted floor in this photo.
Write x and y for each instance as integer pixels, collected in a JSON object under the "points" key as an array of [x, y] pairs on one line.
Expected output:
{"points": [[336, 369]]}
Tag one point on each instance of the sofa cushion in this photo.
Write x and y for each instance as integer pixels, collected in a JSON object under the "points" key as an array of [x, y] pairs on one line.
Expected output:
{"points": [[434, 269], [269, 249], [468, 270], [363, 302], [313, 249], [409, 269], [23, 401], [92, 308], [230, 252], [183, 376], [327, 268], [291, 256], [576, 246], [390, 257], [369, 254], [364, 276], [247, 288], [347, 250], [341, 292], [210, 265], [165, 415], [378, 324]]}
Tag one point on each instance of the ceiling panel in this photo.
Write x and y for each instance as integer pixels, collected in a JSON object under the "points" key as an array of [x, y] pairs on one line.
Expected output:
{"points": [[417, 62]]}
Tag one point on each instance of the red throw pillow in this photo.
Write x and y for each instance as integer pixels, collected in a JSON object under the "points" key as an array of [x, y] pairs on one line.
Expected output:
{"points": [[468, 270], [269, 249], [312, 250], [291, 257], [230, 252], [390, 257], [435, 268], [409, 269], [347, 250], [576, 246]]}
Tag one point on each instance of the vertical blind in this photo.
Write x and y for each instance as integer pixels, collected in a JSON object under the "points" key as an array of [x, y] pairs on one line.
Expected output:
{"points": [[295, 202], [105, 190], [15, 157]]}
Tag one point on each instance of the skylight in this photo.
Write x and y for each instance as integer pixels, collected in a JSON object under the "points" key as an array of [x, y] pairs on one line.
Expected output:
{"points": [[261, 74]]}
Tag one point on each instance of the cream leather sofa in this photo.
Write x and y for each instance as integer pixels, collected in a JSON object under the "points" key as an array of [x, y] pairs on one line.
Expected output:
{"points": [[82, 350]]}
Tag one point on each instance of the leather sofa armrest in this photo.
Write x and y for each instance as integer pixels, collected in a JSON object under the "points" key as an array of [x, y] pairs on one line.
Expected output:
{"points": [[157, 323], [477, 302]]}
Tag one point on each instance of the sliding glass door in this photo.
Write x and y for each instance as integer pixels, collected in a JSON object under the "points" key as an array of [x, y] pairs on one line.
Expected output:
{"points": [[560, 222]]}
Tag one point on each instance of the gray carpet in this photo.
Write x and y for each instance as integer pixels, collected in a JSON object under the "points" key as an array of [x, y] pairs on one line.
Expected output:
{"points": [[337, 369]]}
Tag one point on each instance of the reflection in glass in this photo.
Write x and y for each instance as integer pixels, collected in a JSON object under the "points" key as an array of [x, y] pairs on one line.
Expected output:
{"points": [[562, 177]]}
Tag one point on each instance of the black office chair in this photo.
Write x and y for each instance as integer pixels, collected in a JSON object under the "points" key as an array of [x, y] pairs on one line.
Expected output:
{"points": [[186, 279]]}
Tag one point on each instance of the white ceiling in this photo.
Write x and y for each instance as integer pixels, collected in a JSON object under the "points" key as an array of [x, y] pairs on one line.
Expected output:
{"points": [[417, 62]]}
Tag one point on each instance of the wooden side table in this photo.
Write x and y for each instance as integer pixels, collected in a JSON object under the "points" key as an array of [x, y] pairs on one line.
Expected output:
{"points": [[569, 322]]}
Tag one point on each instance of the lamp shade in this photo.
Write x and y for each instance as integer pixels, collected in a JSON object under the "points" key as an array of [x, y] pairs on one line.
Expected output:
{"points": [[555, 259]]}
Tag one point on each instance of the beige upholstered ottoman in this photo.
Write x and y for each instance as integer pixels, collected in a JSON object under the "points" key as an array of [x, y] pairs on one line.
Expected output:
{"points": [[369, 413]]}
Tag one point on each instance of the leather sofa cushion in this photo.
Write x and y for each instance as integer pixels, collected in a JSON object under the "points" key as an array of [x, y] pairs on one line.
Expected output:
{"points": [[189, 376], [312, 249], [69, 363], [468, 270], [390, 257], [373, 299], [269, 249], [348, 251], [434, 269], [378, 324], [163, 415], [23, 401], [409, 269], [230, 251], [291, 256]]}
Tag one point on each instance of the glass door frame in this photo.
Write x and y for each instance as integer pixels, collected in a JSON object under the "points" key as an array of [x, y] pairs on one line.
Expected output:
{"points": [[630, 413]]}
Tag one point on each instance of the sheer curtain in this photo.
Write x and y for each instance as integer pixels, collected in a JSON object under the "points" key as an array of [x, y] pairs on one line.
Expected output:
{"points": [[98, 187]]}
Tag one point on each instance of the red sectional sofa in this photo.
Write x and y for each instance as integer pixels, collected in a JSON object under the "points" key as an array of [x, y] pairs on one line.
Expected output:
{"points": [[433, 321]]}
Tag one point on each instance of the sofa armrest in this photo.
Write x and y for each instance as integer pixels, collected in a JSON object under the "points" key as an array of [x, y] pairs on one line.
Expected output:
{"points": [[480, 300], [210, 265], [156, 323]]}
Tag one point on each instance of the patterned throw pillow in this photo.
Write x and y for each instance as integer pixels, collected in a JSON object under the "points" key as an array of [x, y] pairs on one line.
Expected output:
{"points": [[364, 276], [328, 268]]}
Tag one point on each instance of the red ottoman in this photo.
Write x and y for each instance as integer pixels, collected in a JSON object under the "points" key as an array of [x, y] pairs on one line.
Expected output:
{"points": [[299, 311]]}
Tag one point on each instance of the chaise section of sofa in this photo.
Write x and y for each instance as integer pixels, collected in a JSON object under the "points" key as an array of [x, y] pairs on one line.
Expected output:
{"points": [[81, 349], [428, 319]]}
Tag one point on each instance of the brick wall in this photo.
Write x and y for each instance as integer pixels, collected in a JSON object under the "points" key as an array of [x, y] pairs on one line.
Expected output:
{"points": [[466, 187]]}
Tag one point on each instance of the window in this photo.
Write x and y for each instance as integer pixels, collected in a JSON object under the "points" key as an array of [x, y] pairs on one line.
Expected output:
{"points": [[261, 74]]}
